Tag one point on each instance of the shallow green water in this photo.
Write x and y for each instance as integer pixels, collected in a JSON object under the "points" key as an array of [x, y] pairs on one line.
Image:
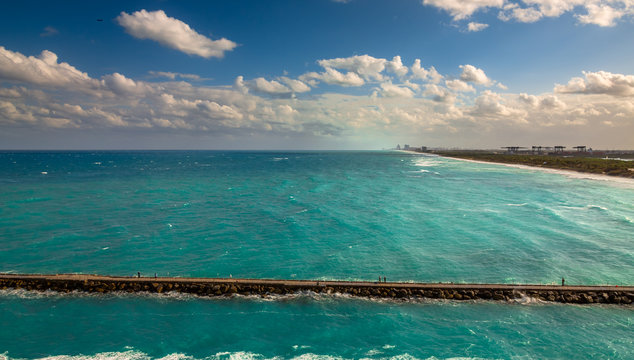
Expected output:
{"points": [[317, 215]]}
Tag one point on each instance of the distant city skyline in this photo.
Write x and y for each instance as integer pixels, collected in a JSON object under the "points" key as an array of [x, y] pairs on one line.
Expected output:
{"points": [[318, 74]]}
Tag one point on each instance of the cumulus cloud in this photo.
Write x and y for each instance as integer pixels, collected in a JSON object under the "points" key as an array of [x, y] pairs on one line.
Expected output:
{"points": [[43, 70], [391, 90], [459, 85], [334, 77], [396, 66], [600, 82], [439, 93], [413, 103], [491, 105], [285, 86], [601, 14], [462, 9], [296, 86], [420, 73], [597, 12], [366, 66], [475, 26], [543, 102], [269, 87], [173, 33], [121, 85], [472, 74]]}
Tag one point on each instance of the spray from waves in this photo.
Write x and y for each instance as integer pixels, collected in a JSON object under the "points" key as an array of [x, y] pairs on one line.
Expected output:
{"points": [[425, 161], [298, 297], [596, 207], [238, 355]]}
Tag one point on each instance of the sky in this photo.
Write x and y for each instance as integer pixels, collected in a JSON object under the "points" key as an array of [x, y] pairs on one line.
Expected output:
{"points": [[316, 74]]}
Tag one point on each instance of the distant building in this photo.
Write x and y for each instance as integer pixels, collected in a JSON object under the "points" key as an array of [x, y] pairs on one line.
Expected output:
{"points": [[398, 147], [423, 148], [512, 149], [405, 147]]}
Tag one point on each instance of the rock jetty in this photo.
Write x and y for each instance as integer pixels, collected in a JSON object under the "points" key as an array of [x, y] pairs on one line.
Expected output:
{"points": [[64, 283]]}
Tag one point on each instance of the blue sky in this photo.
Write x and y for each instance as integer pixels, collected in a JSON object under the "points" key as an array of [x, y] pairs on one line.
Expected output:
{"points": [[321, 74]]}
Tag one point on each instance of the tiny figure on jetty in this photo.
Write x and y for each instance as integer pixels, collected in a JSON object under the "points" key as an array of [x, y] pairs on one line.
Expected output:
{"points": [[379, 279], [155, 275], [384, 280], [138, 274], [563, 281]]}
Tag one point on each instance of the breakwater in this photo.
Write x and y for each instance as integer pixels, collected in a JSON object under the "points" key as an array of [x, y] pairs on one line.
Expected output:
{"points": [[265, 287]]}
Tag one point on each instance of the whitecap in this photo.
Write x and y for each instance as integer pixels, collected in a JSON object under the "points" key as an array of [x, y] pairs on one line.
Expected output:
{"points": [[596, 207]]}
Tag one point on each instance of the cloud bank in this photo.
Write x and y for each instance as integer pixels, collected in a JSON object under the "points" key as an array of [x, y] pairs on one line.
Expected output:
{"points": [[358, 96]]}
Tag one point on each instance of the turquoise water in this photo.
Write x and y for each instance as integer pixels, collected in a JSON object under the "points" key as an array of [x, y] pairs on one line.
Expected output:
{"points": [[308, 215]]}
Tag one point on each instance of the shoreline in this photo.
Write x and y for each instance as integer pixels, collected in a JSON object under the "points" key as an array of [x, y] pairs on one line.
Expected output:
{"points": [[213, 287], [567, 172], [571, 173]]}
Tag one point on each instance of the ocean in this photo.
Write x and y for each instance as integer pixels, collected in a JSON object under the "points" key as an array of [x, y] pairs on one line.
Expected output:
{"points": [[308, 215]]}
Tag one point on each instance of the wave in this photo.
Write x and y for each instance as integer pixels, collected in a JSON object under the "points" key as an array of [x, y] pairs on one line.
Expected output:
{"points": [[623, 182], [237, 355], [300, 296], [596, 207], [426, 162]]}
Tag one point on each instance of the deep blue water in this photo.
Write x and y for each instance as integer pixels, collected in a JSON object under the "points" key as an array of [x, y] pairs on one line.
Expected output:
{"points": [[308, 215]]}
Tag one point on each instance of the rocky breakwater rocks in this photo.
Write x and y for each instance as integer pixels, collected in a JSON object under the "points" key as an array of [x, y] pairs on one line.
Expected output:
{"points": [[229, 287]]}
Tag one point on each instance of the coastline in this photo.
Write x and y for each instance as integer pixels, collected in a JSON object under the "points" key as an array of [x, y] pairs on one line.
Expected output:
{"points": [[567, 172], [571, 173]]}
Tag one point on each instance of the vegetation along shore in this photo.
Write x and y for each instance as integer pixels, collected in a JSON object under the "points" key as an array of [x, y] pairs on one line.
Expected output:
{"points": [[573, 162]]}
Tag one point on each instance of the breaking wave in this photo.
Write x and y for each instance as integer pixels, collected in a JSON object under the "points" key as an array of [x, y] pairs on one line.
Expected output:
{"points": [[237, 355]]}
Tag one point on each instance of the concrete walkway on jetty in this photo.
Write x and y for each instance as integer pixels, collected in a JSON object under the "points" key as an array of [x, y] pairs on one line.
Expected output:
{"points": [[264, 287]]}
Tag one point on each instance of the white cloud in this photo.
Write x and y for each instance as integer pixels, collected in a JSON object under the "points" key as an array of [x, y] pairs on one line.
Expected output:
{"points": [[334, 77], [296, 86], [457, 112], [515, 12], [420, 73], [491, 105], [459, 85], [391, 90], [472, 74], [269, 87], [122, 85], [43, 70], [367, 67], [600, 82], [475, 26], [543, 102], [396, 66], [602, 15], [597, 12], [173, 33], [462, 9], [439, 93]]}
